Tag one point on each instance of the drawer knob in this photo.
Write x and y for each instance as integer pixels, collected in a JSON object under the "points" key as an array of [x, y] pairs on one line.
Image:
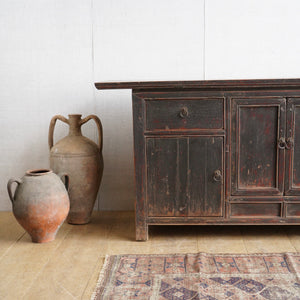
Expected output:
{"points": [[217, 176], [183, 113]]}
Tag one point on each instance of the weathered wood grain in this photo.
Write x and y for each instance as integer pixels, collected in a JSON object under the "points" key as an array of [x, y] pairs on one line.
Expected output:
{"points": [[257, 162], [201, 113], [247, 131]]}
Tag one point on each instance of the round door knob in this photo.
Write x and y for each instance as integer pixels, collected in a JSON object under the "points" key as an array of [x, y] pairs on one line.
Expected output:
{"points": [[281, 143], [217, 176]]}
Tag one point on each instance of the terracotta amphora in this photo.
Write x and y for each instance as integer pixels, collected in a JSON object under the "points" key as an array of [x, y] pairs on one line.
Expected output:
{"points": [[40, 203], [82, 160]]}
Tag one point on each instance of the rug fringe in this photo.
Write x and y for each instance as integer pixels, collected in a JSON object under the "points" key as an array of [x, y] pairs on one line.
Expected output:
{"points": [[101, 276]]}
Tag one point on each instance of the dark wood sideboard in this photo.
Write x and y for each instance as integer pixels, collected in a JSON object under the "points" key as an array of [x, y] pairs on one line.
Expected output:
{"points": [[215, 152]]}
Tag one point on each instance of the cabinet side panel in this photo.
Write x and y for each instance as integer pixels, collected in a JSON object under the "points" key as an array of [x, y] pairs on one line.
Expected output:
{"points": [[139, 162]]}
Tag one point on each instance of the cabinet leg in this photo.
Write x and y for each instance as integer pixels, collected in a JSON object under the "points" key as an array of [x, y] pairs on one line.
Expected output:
{"points": [[141, 232]]}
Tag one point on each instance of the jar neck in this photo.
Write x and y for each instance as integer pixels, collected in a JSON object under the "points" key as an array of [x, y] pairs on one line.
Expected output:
{"points": [[74, 125]]}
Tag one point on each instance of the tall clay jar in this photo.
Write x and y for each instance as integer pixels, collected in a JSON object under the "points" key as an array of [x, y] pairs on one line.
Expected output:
{"points": [[40, 203], [82, 160]]}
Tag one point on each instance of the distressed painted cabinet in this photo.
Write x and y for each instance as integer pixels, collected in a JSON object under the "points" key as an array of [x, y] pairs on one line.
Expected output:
{"points": [[216, 152]]}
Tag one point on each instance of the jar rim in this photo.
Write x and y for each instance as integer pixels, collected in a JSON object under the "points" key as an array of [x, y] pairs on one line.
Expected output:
{"points": [[38, 172], [74, 115]]}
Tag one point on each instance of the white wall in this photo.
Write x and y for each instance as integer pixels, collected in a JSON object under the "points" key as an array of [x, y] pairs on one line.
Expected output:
{"points": [[139, 40], [252, 39], [52, 51]]}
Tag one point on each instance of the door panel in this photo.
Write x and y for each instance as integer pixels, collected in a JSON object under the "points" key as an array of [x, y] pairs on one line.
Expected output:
{"points": [[205, 188], [181, 176], [162, 175], [257, 162], [292, 181]]}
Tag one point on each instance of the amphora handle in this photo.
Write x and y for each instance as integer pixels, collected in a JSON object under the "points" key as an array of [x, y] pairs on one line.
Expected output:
{"points": [[9, 184], [67, 180], [99, 126], [51, 128]]}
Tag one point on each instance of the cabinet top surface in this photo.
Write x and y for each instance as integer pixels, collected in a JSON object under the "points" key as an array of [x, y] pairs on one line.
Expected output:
{"points": [[202, 84]]}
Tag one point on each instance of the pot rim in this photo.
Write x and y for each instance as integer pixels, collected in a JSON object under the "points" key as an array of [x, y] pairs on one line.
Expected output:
{"points": [[38, 172]]}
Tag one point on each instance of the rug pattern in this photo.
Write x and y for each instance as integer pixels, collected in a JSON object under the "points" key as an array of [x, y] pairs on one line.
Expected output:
{"points": [[200, 276]]}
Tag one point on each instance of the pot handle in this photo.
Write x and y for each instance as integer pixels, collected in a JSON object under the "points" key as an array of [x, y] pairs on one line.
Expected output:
{"points": [[51, 128], [99, 126], [9, 184], [67, 180]]}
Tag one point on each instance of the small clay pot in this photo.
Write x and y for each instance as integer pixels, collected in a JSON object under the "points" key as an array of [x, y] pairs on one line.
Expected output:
{"points": [[40, 203]]}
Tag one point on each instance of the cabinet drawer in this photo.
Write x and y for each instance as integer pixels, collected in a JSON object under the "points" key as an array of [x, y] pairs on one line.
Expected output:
{"points": [[292, 210], [170, 114], [246, 209]]}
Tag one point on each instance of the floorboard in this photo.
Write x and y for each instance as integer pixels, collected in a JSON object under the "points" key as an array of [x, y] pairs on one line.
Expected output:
{"points": [[68, 267]]}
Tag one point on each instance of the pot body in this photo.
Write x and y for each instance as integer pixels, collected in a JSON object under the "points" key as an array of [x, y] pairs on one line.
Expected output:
{"points": [[40, 204], [82, 160]]}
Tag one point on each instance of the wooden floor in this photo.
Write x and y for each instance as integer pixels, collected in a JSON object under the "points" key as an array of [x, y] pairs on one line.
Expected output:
{"points": [[68, 267]]}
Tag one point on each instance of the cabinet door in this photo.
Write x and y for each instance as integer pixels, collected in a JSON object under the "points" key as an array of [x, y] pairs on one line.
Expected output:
{"points": [[257, 159], [185, 176], [292, 178]]}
